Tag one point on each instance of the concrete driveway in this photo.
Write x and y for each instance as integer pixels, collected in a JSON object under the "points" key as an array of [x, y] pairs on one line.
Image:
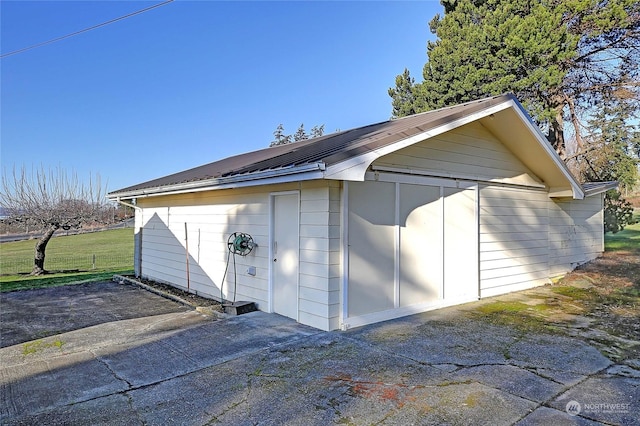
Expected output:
{"points": [[182, 367]]}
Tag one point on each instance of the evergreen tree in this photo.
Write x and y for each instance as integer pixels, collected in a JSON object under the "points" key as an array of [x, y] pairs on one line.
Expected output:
{"points": [[403, 97], [612, 150], [561, 58], [300, 134], [317, 131], [280, 138]]}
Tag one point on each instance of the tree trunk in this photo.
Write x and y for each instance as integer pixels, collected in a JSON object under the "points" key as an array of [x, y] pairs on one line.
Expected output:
{"points": [[576, 122], [556, 133], [41, 246]]}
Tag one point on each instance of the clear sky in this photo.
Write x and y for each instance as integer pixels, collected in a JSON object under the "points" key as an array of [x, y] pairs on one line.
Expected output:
{"points": [[193, 82]]}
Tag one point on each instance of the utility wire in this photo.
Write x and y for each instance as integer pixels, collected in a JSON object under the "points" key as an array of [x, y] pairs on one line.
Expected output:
{"points": [[85, 30]]}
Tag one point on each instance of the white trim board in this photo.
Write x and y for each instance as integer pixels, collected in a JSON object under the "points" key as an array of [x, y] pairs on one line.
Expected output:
{"points": [[355, 168], [390, 314]]}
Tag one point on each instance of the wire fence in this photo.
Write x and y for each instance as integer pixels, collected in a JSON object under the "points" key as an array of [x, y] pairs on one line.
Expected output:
{"points": [[86, 262]]}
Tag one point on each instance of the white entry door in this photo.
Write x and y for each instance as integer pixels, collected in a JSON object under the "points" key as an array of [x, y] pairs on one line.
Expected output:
{"points": [[285, 249]]}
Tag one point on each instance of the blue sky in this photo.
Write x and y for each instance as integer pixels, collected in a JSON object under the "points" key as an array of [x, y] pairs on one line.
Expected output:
{"points": [[192, 82]]}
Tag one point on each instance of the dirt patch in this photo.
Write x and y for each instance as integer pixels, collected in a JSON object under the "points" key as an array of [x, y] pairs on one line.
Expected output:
{"points": [[634, 200], [611, 271], [191, 298], [612, 296]]}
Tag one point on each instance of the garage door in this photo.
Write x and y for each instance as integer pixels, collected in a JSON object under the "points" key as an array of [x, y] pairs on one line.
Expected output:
{"points": [[412, 246]]}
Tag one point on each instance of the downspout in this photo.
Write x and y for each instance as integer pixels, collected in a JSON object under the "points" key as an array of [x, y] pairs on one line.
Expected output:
{"points": [[137, 242]]}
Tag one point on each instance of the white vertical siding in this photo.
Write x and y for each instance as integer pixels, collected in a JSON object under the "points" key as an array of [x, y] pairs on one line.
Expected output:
{"points": [[575, 232], [514, 230]]}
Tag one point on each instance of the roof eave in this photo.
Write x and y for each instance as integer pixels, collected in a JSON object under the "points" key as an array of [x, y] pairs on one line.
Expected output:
{"points": [[354, 168], [576, 189], [264, 177], [599, 189]]}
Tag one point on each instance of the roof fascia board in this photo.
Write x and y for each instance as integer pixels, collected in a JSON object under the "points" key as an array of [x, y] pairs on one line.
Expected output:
{"points": [[268, 177], [578, 192], [354, 169]]}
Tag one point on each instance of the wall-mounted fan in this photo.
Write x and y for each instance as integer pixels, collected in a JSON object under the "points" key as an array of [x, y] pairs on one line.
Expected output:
{"points": [[240, 243]]}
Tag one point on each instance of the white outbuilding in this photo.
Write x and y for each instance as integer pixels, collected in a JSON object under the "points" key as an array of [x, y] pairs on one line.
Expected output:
{"points": [[374, 223]]}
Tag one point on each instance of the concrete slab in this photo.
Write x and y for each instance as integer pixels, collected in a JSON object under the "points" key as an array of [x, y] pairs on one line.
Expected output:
{"points": [[442, 338], [208, 344], [111, 410], [326, 380], [607, 399], [516, 381], [550, 416], [183, 367], [557, 353], [58, 310], [38, 386]]}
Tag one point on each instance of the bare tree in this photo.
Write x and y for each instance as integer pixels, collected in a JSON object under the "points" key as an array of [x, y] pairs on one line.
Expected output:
{"points": [[49, 200]]}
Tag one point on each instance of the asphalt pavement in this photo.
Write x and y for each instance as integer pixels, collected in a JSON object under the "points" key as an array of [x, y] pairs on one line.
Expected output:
{"points": [[150, 361]]}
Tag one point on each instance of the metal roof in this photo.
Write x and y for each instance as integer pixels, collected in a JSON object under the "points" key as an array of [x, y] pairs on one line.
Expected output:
{"points": [[325, 150], [344, 155], [593, 188]]}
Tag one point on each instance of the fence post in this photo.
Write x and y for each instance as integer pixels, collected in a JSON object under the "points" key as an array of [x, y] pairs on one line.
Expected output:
{"points": [[94, 261]]}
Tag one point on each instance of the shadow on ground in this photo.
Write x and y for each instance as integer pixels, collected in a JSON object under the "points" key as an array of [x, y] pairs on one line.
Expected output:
{"points": [[34, 314]]}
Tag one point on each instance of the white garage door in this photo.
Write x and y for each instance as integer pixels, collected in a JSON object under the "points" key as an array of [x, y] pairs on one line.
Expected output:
{"points": [[411, 247]]}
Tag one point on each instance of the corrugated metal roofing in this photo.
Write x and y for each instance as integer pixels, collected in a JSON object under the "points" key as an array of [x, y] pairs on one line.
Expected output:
{"points": [[593, 188], [328, 149]]}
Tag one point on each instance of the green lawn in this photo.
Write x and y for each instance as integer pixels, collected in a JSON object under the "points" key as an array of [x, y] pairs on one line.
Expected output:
{"points": [[628, 239], [112, 252]]}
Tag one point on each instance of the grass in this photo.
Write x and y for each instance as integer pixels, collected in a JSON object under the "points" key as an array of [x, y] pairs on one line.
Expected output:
{"points": [[527, 318], [114, 249], [625, 240], [39, 345], [17, 282]]}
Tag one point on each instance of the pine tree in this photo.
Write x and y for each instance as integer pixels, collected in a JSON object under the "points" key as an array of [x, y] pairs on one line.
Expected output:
{"points": [[300, 134], [317, 131], [560, 57], [280, 138], [612, 151], [403, 97]]}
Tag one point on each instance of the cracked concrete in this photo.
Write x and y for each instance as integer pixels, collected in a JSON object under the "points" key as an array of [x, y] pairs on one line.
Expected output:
{"points": [[183, 367]]}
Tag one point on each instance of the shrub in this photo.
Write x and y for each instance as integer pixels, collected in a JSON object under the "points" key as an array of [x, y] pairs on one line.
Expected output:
{"points": [[618, 212]]}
